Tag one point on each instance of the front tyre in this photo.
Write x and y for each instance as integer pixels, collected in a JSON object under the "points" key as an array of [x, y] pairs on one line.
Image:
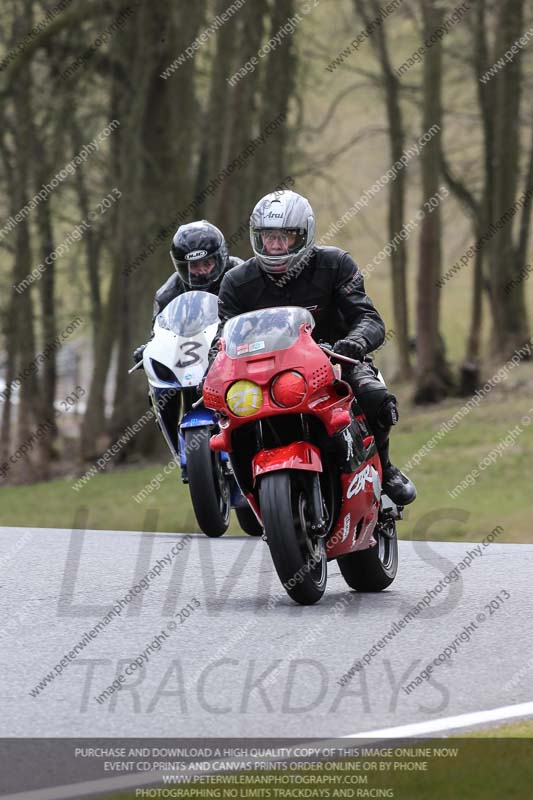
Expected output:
{"points": [[299, 556], [374, 569], [208, 484]]}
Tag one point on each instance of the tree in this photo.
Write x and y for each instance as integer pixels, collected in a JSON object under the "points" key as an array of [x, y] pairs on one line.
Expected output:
{"points": [[391, 87], [507, 256], [433, 378]]}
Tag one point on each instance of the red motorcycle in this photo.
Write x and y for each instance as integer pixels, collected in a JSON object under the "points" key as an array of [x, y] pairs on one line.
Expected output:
{"points": [[302, 453]]}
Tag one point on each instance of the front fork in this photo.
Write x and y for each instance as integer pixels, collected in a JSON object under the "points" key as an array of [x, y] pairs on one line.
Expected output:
{"points": [[300, 457], [183, 458], [316, 507], [317, 510]]}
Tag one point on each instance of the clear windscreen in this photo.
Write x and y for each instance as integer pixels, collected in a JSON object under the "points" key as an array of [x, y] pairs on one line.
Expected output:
{"points": [[265, 331], [189, 313]]}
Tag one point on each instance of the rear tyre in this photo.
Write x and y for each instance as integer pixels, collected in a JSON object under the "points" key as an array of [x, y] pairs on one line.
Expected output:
{"points": [[208, 485], [299, 557], [374, 569]]}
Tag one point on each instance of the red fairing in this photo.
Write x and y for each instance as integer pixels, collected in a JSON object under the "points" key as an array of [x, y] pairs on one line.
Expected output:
{"points": [[221, 441], [298, 455], [327, 400], [361, 492], [311, 386], [255, 505]]}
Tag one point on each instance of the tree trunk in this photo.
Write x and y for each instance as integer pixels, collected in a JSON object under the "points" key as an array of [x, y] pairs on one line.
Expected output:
{"points": [[218, 147], [470, 371], [278, 85], [510, 327], [93, 426], [10, 333], [154, 165], [433, 378], [91, 239], [397, 188], [237, 194], [92, 437], [9, 321], [29, 410], [47, 292]]}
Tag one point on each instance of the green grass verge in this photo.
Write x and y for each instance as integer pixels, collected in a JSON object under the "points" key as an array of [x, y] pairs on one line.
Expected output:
{"points": [[500, 496], [516, 730], [108, 500]]}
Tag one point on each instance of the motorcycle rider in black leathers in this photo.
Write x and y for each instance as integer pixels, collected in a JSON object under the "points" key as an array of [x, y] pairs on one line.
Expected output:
{"points": [[289, 269], [200, 257]]}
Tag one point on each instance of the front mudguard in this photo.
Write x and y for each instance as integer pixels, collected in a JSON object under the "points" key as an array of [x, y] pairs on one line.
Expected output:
{"points": [[197, 418], [297, 455]]}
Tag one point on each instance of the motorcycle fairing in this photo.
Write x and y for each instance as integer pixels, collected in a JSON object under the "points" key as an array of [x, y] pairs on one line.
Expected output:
{"points": [[185, 356], [324, 399], [297, 455], [361, 493]]}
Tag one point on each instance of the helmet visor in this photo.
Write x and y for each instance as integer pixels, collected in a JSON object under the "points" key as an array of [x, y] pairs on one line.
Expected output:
{"points": [[199, 273], [278, 242]]}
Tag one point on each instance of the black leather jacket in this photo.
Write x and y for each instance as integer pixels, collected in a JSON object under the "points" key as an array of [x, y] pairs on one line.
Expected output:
{"points": [[174, 286], [330, 286]]}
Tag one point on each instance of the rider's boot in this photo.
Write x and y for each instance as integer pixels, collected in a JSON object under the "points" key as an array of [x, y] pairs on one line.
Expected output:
{"points": [[395, 484]]}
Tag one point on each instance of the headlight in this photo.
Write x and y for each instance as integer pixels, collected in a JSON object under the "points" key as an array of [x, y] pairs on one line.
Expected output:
{"points": [[288, 389], [244, 398]]}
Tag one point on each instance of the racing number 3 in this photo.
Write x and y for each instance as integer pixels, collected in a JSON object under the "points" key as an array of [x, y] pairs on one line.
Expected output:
{"points": [[189, 349]]}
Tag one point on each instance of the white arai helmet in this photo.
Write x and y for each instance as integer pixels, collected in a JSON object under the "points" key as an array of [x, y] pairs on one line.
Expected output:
{"points": [[288, 218]]}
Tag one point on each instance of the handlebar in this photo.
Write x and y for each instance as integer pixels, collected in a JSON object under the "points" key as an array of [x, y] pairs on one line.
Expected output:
{"points": [[337, 356], [138, 365]]}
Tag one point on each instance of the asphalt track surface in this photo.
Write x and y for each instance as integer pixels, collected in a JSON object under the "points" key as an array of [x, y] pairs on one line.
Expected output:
{"points": [[239, 666]]}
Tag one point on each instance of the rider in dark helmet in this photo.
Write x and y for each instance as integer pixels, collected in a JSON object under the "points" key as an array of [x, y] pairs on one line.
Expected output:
{"points": [[289, 269], [200, 257]]}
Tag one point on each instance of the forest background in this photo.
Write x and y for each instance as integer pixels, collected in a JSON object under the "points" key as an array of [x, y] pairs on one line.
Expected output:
{"points": [[409, 126]]}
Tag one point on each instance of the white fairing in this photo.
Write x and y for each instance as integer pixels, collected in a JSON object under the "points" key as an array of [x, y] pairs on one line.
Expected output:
{"points": [[183, 334]]}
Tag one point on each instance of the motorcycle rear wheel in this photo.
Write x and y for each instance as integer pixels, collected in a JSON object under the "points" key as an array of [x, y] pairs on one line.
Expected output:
{"points": [[374, 569], [208, 485], [299, 558]]}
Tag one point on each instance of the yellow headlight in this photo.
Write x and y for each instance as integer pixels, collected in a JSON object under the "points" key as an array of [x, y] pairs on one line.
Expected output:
{"points": [[244, 398]]}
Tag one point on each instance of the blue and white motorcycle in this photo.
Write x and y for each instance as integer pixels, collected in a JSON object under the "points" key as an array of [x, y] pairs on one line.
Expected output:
{"points": [[175, 362]]}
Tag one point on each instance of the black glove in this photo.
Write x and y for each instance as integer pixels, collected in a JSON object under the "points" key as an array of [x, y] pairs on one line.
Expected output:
{"points": [[350, 348], [138, 353], [200, 388]]}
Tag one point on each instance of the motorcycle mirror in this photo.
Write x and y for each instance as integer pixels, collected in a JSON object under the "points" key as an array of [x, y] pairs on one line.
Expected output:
{"points": [[137, 366]]}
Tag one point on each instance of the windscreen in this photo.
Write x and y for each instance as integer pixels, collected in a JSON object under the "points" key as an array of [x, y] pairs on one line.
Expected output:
{"points": [[265, 331], [189, 313]]}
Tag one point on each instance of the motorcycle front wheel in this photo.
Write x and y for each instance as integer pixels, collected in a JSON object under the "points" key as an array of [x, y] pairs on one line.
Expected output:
{"points": [[299, 556], [208, 484]]}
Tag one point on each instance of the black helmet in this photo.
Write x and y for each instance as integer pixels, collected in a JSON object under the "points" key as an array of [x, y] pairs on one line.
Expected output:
{"points": [[199, 242]]}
